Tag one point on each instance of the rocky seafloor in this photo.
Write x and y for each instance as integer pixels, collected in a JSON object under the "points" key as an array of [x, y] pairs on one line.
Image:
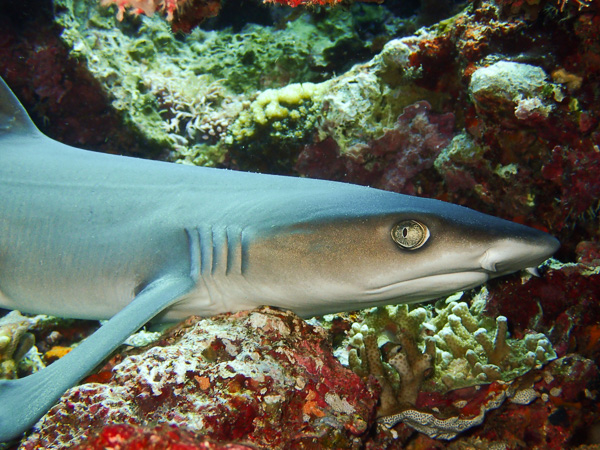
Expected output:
{"points": [[488, 104]]}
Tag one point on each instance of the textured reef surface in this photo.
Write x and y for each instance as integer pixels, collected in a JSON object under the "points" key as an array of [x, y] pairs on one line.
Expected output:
{"points": [[264, 377], [489, 104]]}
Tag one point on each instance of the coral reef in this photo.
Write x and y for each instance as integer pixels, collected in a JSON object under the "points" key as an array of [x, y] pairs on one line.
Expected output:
{"points": [[494, 108], [441, 348], [264, 377], [182, 93]]}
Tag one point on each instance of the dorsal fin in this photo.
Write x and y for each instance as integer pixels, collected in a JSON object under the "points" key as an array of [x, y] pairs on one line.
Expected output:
{"points": [[13, 117]]}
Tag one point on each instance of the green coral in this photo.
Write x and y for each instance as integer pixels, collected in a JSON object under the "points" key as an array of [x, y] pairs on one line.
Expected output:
{"points": [[470, 348]]}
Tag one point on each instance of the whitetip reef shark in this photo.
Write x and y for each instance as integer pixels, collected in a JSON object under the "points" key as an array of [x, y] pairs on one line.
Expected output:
{"points": [[97, 236]]}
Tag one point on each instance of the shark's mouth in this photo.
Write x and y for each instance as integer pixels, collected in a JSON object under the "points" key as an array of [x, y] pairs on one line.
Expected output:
{"points": [[429, 287]]}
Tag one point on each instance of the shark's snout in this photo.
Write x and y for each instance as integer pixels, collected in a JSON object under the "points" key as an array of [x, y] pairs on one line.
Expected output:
{"points": [[513, 254]]}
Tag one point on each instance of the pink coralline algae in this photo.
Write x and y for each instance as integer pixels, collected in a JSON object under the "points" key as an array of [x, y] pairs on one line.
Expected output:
{"points": [[264, 378], [389, 162]]}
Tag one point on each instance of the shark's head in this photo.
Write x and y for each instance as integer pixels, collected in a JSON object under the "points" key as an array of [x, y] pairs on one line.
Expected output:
{"points": [[385, 248]]}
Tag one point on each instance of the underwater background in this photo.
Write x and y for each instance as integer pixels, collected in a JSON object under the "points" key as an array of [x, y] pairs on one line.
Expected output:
{"points": [[492, 105]]}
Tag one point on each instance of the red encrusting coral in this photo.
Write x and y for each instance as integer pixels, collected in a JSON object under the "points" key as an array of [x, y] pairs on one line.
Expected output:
{"points": [[185, 15], [160, 437], [147, 7]]}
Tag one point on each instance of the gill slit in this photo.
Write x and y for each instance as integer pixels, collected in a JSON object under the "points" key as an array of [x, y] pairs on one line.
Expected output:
{"points": [[216, 251]]}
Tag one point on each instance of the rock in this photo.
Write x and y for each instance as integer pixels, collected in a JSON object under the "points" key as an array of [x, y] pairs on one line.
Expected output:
{"points": [[264, 377]]}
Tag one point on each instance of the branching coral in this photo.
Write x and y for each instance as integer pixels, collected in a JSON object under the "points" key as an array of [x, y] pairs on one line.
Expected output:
{"points": [[402, 373], [473, 348], [439, 349]]}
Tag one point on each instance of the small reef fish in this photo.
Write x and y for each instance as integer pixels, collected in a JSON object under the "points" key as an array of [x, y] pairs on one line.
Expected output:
{"points": [[91, 235]]}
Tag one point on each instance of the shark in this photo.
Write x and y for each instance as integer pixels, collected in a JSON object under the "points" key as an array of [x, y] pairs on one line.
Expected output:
{"points": [[97, 236]]}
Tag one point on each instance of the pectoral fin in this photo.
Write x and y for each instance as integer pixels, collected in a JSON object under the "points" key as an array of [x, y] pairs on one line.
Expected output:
{"points": [[24, 401]]}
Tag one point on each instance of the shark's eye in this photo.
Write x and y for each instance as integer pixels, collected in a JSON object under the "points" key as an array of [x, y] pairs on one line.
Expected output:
{"points": [[410, 234]]}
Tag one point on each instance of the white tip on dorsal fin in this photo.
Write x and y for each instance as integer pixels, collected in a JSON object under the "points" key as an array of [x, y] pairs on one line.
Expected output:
{"points": [[13, 117]]}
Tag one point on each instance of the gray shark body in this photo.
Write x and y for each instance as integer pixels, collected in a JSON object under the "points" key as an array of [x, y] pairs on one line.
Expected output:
{"points": [[90, 235]]}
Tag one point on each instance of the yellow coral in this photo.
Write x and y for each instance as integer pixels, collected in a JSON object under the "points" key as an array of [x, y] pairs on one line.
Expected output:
{"points": [[275, 104]]}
